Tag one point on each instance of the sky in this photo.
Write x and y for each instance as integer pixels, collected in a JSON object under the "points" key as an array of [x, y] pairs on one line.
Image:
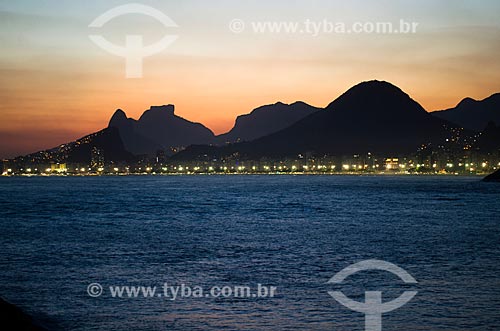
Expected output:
{"points": [[56, 85]]}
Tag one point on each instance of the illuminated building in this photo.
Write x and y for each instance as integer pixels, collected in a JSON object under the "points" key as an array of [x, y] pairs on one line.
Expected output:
{"points": [[58, 167], [392, 164]]}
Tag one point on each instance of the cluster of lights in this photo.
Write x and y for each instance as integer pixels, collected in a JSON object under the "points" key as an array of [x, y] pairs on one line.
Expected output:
{"points": [[354, 165]]}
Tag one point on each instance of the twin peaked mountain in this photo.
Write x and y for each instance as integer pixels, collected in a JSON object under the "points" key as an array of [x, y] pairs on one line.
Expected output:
{"points": [[372, 116]]}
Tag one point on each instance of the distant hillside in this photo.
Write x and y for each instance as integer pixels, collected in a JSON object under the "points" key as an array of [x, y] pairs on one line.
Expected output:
{"points": [[472, 114], [489, 140], [108, 142], [265, 120]]}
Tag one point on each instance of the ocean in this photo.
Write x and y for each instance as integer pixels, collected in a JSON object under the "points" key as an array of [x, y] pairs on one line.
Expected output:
{"points": [[59, 235]]}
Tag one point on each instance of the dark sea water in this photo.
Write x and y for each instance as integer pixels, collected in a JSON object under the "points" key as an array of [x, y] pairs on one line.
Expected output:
{"points": [[58, 235]]}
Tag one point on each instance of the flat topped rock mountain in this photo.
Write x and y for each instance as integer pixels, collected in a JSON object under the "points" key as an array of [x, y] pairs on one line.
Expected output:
{"points": [[373, 116], [473, 114], [159, 128]]}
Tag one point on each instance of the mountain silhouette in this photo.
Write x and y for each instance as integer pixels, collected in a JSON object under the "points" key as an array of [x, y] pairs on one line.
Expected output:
{"points": [[373, 116], [473, 114], [133, 141], [265, 120], [159, 129]]}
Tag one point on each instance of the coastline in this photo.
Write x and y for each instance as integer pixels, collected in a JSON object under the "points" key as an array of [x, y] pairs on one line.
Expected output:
{"points": [[381, 174]]}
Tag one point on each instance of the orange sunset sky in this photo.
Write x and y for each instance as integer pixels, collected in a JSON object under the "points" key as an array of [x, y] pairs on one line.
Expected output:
{"points": [[56, 85]]}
